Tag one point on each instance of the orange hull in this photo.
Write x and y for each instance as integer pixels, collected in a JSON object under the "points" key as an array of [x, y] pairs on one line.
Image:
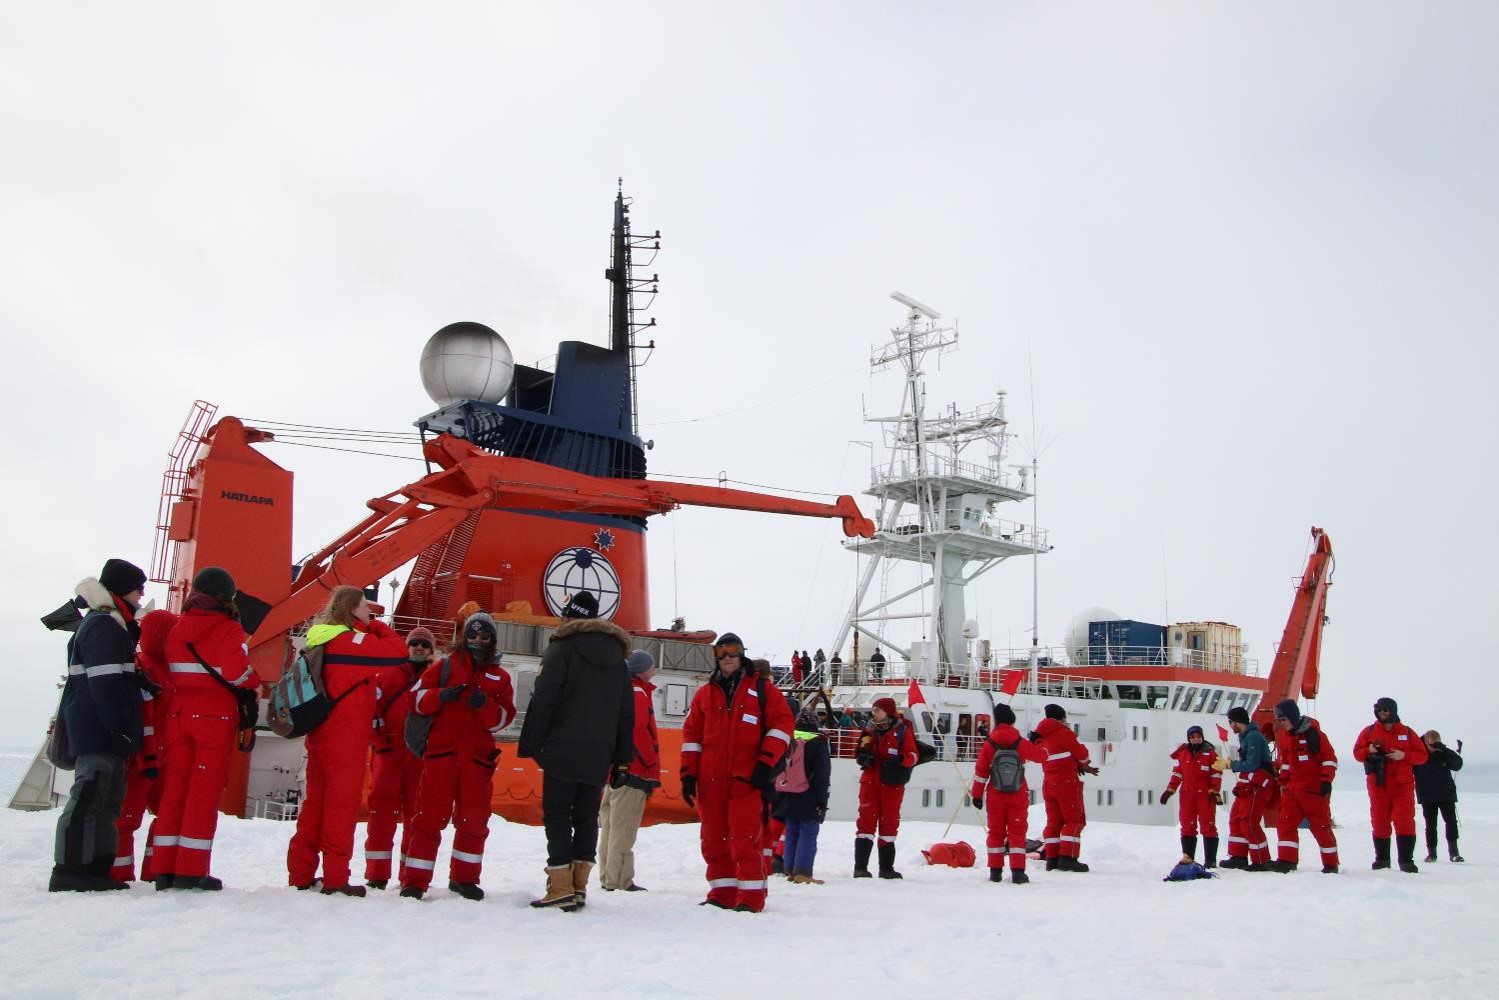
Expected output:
{"points": [[517, 787]]}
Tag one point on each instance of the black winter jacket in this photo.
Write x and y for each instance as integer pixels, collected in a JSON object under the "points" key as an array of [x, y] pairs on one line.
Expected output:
{"points": [[1434, 778], [101, 702], [581, 719]]}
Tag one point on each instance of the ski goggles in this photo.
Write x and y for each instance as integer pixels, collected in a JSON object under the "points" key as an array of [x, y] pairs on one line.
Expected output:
{"points": [[727, 649]]}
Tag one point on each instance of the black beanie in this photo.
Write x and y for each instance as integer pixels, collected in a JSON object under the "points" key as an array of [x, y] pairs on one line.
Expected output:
{"points": [[1287, 710], [120, 577], [1239, 714], [215, 582], [1055, 711], [1193, 729], [1388, 703], [1004, 715], [582, 605]]}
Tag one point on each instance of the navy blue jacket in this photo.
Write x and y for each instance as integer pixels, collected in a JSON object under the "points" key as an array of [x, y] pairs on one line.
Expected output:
{"points": [[1434, 782], [102, 698], [802, 806], [1254, 752]]}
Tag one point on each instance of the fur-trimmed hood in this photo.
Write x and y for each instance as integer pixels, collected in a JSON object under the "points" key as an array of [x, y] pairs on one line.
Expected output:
{"points": [[579, 626], [99, 599]]}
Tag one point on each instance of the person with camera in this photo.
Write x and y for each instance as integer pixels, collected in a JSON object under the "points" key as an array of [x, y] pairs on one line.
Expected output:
{"points": [[886, 754], [631, 784], [1389, 749], [1308, 765], [737, 730], [1437, 792]]}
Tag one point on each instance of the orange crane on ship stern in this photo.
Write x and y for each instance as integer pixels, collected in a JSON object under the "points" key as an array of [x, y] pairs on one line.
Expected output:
{"points": [[1296, 672]]}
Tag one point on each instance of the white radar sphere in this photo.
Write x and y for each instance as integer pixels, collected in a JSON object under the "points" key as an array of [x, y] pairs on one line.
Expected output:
{"points": [[467, 361], [1077, 631]]}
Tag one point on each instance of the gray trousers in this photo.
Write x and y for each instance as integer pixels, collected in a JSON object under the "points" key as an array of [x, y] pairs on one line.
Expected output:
{"points": [[86, 828], [619, 822]]}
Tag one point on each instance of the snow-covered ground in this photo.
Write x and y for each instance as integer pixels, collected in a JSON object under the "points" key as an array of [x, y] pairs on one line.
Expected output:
{"points": [[1118, 931]]}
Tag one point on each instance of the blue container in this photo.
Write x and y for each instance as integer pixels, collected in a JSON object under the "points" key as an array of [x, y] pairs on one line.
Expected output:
{"points": [[1126, 642]]}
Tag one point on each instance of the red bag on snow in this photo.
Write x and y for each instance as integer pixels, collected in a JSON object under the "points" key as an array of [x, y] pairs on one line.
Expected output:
{"points": [[958, 855]]}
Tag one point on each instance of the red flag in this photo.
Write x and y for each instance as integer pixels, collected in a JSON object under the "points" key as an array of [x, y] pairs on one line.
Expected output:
{"points": [[1223, 734], [1011, 682], [914, 697]]}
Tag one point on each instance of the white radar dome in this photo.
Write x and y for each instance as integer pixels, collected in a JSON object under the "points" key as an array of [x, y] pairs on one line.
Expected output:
{"points": [[1077, 632], [467, 361]]}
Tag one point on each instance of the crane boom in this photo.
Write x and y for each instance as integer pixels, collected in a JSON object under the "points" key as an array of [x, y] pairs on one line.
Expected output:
{"points": [[1296, 670]]}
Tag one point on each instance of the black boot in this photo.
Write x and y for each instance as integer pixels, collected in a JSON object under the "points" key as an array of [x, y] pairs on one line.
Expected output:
{"points": [[996, 874], [887, 860], [1452, 854], [777, 866], [1235, 861], [78, 878], [862, 849], [1018, 876], [1431, 847], [1405, 843], [1189, 847], [1210, 852], [1381, 853], [1051, 863], [1283, 867], [377, 883], [412, 892], [468, 890], [206, 883]]}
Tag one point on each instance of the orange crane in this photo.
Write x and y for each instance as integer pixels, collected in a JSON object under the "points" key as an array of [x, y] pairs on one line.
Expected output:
{"points": [[1295, 673]]}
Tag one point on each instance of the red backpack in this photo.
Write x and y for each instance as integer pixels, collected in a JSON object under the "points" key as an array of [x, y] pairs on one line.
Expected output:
{"points": [[793, 776]]}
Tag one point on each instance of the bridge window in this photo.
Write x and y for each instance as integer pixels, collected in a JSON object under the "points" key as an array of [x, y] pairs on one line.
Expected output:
{"points": [[1213, 704], [1155, 695], [1202, 699], [1187, 695]]}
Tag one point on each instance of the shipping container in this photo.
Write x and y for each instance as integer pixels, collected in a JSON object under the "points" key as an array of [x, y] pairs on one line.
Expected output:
{"points": [[1206, 646], [1125, 642]]}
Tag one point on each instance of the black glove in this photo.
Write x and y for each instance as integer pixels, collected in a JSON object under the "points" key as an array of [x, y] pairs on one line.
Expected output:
{"points": [[978, 803], [121, 745], [1325, 790], [448, 694], [477, 699], [1033, 736], [761, 776], [1459, 746], [1241, 789], [1086, 769], [151, 771], [147, 684], [1166, 796], [689, 790], [821, 812], [863, 758], [618, 778]]}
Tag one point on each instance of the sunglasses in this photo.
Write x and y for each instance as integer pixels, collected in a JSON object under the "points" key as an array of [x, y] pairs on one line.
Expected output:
{"points": [[419, 644], [727, 649]]}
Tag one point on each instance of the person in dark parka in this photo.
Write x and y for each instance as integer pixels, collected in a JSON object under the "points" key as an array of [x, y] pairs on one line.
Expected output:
{"points": [[801, 801], [101, 710], [579, 727], [1437, 792]]}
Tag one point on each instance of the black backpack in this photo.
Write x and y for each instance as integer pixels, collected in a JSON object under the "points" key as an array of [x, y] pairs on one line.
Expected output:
{"points": [[1007, 770]]}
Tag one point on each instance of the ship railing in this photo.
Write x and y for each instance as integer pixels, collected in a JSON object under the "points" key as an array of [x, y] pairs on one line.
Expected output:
{"points": [[937, 465], [988, 526], [1222, 661]]}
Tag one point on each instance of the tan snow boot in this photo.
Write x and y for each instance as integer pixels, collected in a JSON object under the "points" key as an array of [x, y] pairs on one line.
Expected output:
{"points": [[581, 870], [559, 887]]}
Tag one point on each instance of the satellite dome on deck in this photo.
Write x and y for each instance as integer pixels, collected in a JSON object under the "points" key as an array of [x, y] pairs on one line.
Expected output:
{"points": [[1077, 632], [467, 361]]}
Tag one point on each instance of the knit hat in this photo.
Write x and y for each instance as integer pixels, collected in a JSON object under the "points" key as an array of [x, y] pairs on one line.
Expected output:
{"points": [[1239, 714], [1004, 715], [807, 720], [421, 633], [581, 605], [1055, 711], [120, 577], [215, 582], [887, 705], [480, 622], [1287, 710], [639, 662], [1387, 704], [1193, 731]]}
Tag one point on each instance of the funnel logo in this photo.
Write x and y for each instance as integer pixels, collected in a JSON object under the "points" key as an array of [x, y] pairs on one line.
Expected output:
{"points": [[572, 570]]}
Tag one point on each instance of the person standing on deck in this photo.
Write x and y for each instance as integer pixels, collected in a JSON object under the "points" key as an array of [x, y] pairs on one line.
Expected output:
{"points": [[886, 754], [1437, 792], [1248, 846], [1308, 765], [1197, 806], [1000, 790], [1062, 790], [1389, 749]]}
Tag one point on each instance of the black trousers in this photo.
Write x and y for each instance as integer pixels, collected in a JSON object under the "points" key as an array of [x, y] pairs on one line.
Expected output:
{"points": [[570, 814], [1449, 819], [86, 828]]}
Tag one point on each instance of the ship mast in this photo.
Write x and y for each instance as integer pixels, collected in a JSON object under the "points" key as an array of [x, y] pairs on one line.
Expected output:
{"points": [[944, 478], [624, 315]]}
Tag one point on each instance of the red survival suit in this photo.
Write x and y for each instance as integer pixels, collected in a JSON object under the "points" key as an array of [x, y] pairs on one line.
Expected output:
{"points": [[1008, 812], [1062, 789], [1394, 801], [727, 732], [142, 779], [1307, 762], [458, 767], [338, 750], [1253, 792], [879, 801], [203, 719], [395, 772], [1196, 785]]}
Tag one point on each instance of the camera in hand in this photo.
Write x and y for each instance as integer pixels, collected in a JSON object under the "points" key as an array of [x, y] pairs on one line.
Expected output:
{"points": [[1374, 764]]}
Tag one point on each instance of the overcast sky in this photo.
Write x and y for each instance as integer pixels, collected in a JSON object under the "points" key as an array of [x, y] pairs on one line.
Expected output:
{"points": [[1238, 259]]}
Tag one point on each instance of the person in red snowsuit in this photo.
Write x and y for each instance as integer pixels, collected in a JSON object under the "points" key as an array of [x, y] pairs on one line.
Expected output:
{"points": [[1200, 784], [143, 777], [395, 772], [1308, 766], [1062, 790], [738, 727], [886, 754], [1389, 749], [470, 698], [1008, 812], [1248, 847], [358, 648], [202, 724]]}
